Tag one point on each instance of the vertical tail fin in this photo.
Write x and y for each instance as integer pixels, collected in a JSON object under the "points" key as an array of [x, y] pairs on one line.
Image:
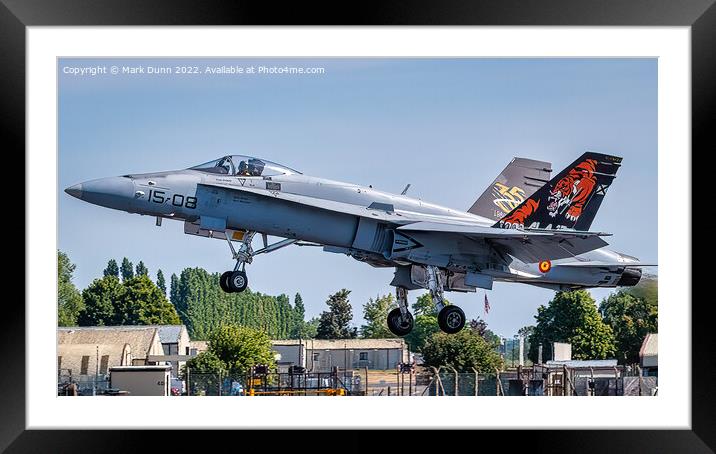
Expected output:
{"points": [[519, 180], [571, 199]]}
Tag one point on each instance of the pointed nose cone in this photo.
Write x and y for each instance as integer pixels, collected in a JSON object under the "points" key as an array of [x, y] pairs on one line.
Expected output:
{"points": [[111, 192], [75, 191]]}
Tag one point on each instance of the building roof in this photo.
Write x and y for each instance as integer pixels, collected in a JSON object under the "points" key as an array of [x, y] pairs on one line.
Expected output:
{"points": [[577, 364], [650, 346], [649, 352], [140, 368], [340, 344], [70, 356], [170, 334], [140, 338]]}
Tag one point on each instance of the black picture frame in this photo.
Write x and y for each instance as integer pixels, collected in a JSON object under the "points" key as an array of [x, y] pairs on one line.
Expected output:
{"points": [[700, 15]]}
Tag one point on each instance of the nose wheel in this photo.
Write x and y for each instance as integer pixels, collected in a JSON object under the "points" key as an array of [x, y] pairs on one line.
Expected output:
{"points": [[236, 281]]}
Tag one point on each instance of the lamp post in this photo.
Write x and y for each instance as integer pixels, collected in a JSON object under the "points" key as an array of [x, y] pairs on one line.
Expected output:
{"points": [[514, 339]]}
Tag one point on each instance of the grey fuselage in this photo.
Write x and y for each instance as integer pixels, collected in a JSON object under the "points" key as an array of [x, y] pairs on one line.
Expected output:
{"points": [[212, 199]]}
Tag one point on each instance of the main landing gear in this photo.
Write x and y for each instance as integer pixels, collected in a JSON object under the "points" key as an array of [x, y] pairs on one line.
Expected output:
{"points": [[236, 281], [400, 321], [451, 319]]}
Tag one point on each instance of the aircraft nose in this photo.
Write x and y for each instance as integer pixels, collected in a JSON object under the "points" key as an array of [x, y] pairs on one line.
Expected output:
{"points": [[75, 191], [112, 192]]}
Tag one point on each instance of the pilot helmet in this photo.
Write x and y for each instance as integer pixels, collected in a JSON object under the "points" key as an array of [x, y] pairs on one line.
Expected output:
{"points": [[256, 167], [243, 167]]}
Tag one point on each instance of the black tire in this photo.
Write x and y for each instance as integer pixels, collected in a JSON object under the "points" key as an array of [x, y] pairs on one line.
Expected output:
{"points": [[238, 281], [397, 325], [224, 281], [451, 319]]}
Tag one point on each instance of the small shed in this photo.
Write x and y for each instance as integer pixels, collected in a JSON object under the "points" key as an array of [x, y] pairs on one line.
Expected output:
{"points": [[142, 380]]}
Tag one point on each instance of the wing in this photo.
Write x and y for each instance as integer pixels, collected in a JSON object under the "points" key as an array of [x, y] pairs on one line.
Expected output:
{"points": [[528, 246]]}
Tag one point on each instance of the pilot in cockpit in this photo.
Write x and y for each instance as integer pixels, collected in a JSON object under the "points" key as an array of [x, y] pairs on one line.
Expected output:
{"points": [[243, 169], [256, 167]]}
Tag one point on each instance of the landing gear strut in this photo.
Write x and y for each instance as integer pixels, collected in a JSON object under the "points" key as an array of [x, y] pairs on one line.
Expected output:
{"points": [[451, 319], [236, 281], [400, 321]]}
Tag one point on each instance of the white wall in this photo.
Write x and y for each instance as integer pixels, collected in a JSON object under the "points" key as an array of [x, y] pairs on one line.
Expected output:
{"points": [[142, 382]]}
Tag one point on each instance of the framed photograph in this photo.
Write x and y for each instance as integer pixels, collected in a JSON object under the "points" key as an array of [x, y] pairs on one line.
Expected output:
{"points": [[414, 119]]}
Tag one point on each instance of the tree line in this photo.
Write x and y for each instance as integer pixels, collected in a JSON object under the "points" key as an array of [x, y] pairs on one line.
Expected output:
{"points": [[125, 295]]}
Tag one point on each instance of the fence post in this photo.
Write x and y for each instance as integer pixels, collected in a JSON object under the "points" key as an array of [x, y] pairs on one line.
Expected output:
{"points": [[498, 383], [638, 371], [437, 379], [366, 380], [477, 379], [455, 370]]}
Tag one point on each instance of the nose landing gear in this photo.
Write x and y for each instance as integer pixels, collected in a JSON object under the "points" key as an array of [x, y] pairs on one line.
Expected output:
{"points": [[236, 281]]}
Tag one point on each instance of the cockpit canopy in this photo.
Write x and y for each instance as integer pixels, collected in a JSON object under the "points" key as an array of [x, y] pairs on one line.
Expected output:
{"points": [[241, 165]]}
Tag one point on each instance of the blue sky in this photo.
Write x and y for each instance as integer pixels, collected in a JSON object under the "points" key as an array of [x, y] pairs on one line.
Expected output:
{"points": [[447, 126]]}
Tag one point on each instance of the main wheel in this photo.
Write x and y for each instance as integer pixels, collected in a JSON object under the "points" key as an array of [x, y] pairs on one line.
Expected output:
{"points": [[397, 325], [238, 281], [224, 281], [451, 319]]}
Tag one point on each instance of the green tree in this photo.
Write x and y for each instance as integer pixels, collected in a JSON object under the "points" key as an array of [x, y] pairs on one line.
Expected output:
{"points": [[239, 347], [141, 269], [127, 269], [205, 373], [112, 268], [174, 289], [375, 313], [572, 317], [161, 282], [205, 363], [300, 328], [426, 322], [136, 301], [203, 306], [334, 323], [69, 300], [310, 328], [479, 326], [143, 303], [100, 298], [463, 351], [647, 289], [424, 305], [630, 318]]}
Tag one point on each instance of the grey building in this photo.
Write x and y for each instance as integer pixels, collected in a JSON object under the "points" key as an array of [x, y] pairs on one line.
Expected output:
{"points": [[322, 355]]}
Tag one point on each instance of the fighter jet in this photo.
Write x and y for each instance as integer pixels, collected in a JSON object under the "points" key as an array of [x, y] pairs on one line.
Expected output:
{"points": [[525, 228]]}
